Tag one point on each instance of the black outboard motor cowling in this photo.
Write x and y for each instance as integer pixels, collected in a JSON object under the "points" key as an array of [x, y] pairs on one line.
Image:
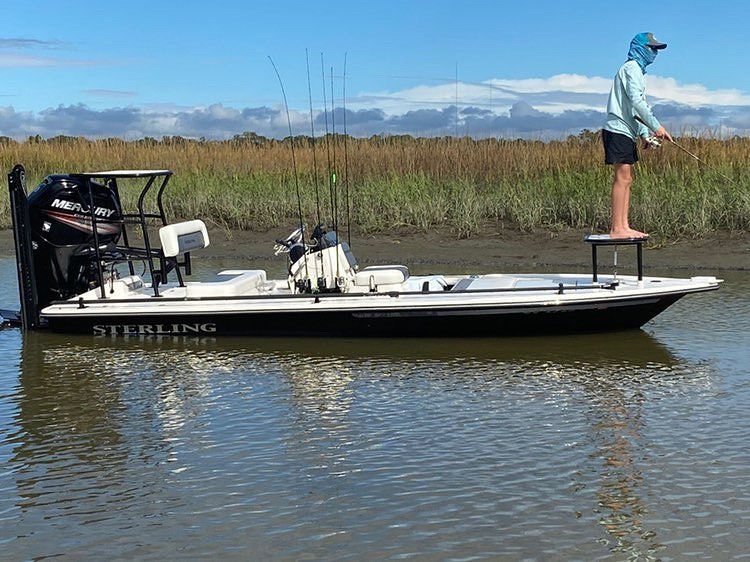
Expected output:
{"points": [[62, 233]]}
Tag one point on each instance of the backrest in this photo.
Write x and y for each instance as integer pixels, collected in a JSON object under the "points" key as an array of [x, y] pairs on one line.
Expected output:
{"points": [[183, 237]]}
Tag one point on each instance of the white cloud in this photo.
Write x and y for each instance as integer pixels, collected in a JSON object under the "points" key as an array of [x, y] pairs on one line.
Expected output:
{"points": [[103, 93], [562, 92], [20, 60], [560, 82], [551, 107], [693, 94]]}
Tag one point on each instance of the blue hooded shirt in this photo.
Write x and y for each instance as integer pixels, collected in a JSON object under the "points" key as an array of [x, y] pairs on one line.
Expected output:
{"points": [[628, 95], [640, 52]]}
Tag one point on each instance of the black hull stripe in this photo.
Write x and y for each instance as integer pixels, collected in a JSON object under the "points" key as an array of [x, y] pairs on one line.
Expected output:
{"points": [[577, 318]]}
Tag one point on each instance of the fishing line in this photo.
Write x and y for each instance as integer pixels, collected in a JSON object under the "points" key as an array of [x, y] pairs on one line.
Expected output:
{"points": [[695, 157]]}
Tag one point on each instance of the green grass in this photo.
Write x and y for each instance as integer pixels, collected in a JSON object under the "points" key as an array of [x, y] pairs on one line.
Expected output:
{"points": [[459, 185]]}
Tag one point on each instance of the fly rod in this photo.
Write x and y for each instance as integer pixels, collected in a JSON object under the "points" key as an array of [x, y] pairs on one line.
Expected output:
{"points": [[685, 150]]}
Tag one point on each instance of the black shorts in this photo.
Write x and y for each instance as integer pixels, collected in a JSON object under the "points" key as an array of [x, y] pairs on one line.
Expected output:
{"points": [[619, 149]]}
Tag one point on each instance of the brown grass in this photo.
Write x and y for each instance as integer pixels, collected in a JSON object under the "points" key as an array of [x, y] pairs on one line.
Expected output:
{"points": [[454, 183]]}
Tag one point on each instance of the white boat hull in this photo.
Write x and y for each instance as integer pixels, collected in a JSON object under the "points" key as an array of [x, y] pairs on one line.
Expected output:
{"points": [[500, 305]]}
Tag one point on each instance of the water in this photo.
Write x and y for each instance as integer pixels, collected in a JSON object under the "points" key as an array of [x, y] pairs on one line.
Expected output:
{"points": [[620, 447]]}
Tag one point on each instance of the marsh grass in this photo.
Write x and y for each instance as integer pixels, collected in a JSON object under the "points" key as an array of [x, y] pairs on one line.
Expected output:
{"points": [[460, 185]]}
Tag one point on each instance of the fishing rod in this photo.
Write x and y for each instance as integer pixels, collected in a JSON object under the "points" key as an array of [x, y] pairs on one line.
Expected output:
{"points": [[346, 163], [334, 177], [331, 155], [331, 172], [294, 161], [335, 193], [656, 143], [314, 141]]}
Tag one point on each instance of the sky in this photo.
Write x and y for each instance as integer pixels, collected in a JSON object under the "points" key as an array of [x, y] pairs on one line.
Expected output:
{"points": [[520, 69]]}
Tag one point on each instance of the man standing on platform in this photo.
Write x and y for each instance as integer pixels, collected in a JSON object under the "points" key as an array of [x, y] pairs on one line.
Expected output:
{"points": [[628, 119]]}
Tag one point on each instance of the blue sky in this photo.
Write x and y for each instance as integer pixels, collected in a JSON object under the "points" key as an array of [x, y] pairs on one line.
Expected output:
{"points": [[535, 69]]}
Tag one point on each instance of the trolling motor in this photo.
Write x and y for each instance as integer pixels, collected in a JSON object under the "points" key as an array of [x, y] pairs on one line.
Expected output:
{"points": [[322, 259], [294, 245]]}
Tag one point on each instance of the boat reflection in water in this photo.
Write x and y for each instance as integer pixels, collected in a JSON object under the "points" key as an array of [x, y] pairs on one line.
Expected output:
{"points": [[125, 431]]}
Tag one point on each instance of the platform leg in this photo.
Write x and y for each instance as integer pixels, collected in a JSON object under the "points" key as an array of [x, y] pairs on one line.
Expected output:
{"points": [[639, 252], [614, 266], [594, 262]]}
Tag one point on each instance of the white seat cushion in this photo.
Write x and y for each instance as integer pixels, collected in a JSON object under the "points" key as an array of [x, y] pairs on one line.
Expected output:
{"points": [[372, 277], [229, 283], [183, 237]]}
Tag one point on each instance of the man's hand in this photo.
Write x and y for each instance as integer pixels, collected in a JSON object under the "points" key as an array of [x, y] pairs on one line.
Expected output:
{"points": [[662, 133], [651, 142]]}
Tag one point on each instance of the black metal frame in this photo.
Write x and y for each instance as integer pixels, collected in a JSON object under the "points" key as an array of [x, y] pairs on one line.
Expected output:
{"points": [[154, 179], [597, 241]]}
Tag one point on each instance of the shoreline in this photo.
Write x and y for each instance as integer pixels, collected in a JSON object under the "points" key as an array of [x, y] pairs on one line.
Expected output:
{"points": [[493, 252]]}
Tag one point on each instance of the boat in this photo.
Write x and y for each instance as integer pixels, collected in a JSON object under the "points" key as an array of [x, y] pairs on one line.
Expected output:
{"points": [[87, 265]]}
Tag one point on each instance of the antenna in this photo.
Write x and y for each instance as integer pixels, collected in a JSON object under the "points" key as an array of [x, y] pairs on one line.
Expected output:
{"points": [[456, 134]]}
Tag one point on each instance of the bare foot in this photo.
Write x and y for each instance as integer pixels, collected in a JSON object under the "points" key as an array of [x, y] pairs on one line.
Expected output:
{"points": [[619, 234], [637, 233], [627, 233]]}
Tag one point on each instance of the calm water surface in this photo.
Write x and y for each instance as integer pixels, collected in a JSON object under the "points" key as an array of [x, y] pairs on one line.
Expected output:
{"points": [[632, 446]]}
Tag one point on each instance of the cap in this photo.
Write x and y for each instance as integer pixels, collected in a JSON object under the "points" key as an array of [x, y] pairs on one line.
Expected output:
{"points": [[648, 40]]}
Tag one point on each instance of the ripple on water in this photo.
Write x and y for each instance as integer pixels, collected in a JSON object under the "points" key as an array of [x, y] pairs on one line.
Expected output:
{"points": [[558, 448]]}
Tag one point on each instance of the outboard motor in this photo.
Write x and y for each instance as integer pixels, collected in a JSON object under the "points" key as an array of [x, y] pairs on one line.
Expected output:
{"points": [[62, 214], [68, 233]]}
